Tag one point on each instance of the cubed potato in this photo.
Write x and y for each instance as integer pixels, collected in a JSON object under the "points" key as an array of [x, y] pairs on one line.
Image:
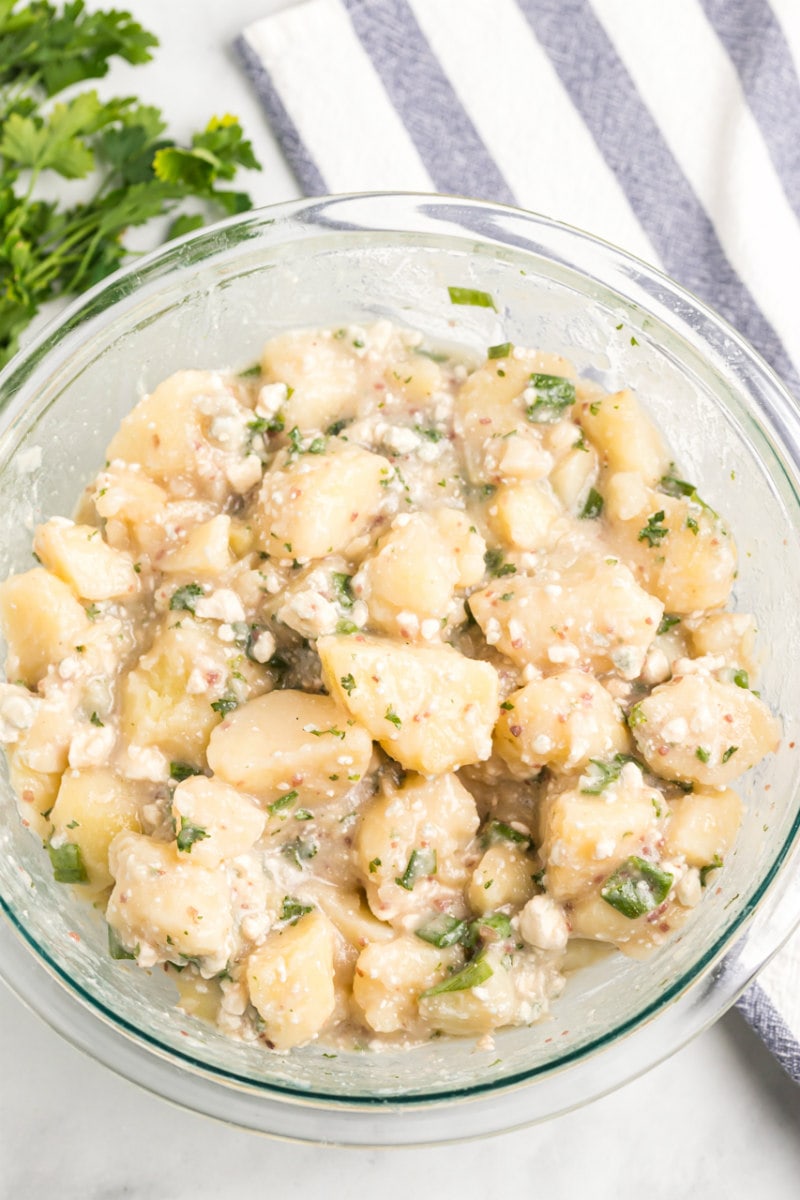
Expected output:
{"points": [[415, 377], [389, 977], [36, 793], [730, 635], [157, 705], [173, 905], [503, 876], [585, 837], [323, 373], [290, 980], [217, 821], [423, 816], [592, 917], [574, 474], [476, 1010], [694, 728], [559, 722], [588, 613], [430, 708], [351, 915], [78, 555], [466, 544], [491, 406], [410, 577], [42, 623], [133, 507], [290, 741], [624, 435], [681, 550], [312, 505], [523, 516], [205, 552], [703, 826], [44, 747], [92, 807], [166, 431]]}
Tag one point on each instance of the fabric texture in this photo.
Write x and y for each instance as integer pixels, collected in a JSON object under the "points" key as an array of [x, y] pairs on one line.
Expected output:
{"points": [[682, 123]]}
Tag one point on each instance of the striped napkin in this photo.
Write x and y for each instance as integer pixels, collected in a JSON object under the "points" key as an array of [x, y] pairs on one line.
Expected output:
{"points": [[672, 130]]}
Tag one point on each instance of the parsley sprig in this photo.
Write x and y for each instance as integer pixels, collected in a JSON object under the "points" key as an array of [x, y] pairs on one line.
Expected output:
{"points": [[52, 248]]}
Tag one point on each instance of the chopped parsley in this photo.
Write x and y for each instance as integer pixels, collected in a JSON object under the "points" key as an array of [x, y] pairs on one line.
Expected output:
{"points": [[342, 586], [182, 770], [507, 706], [636, 716], [741, 678], [499, 831], [605, 773], [553, 396], [636, 888], [374, 864], [421, 864], [500, 351], [344, 626], [292, 909], [224, 705], [703, 754], [391, 715], [333, 731], [672, 486], [185, 598], [443, 930], [348, 683], [729, 753], [593, 507], [667, 623], [67, 862], [705, 871], [654, 531], [471, 297], [116, 949], [470, 976], [188, 834], [282, 802], [300, 850], [95, 720], [495, 564], [267, 424], [432, 435]]}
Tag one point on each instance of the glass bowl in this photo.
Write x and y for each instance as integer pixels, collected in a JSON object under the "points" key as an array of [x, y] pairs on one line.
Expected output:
{"points": [[211, 300]]}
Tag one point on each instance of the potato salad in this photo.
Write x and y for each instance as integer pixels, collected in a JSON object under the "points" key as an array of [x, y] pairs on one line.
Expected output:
{"points": [[369, 684]]}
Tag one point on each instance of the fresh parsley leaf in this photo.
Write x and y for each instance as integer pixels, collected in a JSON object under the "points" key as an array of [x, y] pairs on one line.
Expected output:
{"points": [[391, 716], [343, 588], [499, 831], [672, 486], [224, 705], [593, 506], [741, 678], [703, 754], [182, 770], [705, 871], [667, 623], [282, 802], [292, 909], [300, 850], [443, 930], [604, 774], [495, 564], [500, 351], [116, 949], [470, 976]]}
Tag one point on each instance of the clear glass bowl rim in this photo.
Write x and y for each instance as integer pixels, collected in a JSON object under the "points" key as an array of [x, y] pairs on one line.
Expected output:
{"points": [[68, 1008]]}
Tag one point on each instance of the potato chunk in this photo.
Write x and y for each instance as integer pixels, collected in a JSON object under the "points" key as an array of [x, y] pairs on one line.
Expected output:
{"points": [[593, 918], [42, 623], [323, 375], [389, 977], [430, 708], [432, 818], [289, 741], [410, 577], [290, 979], [465, 543], [503, 876], [218, 821], [695, 728], [158, 708], [681, 550], [91, 808], [624, 435], [204, 553], [559, 722], [79, 556], [174, 905], [703, 826], [523, 516], [589, 613], [585, 837], [474, 1010], [311, 505], [497, 438]]}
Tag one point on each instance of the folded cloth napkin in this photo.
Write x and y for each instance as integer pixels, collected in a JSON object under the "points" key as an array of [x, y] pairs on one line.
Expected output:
{"points": [[672, 131]]}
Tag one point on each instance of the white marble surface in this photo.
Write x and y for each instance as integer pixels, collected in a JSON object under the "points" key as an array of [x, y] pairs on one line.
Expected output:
{"points": [[718, 1119]]}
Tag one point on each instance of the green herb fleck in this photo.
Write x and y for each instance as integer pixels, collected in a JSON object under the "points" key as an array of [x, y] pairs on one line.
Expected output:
{"points": [[185, 598], [703, 754], [654, 532], [593, 507], [636, 716], [502, 350], [182, 770], [421, 864], [348, 683], [391, 715], [116, 949], [282, 802], [300, 850], [342, 586], [495, 564], [470, 296], [292, 909], [507, 705], [667, 623], [224, 705], [471, 976], [346, 627], [95, 720], [729, 753], [741, 678], [67, 861], [443, 930], [705, 871], [188, 834], [554, 395], [605, 773], [636, 888], [499, 831], [333, 731], [373, 866]]}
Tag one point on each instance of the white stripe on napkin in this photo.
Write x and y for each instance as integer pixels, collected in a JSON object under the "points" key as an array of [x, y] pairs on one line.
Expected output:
{"points": [[336, 98], [518, 104], [690, 86]]}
